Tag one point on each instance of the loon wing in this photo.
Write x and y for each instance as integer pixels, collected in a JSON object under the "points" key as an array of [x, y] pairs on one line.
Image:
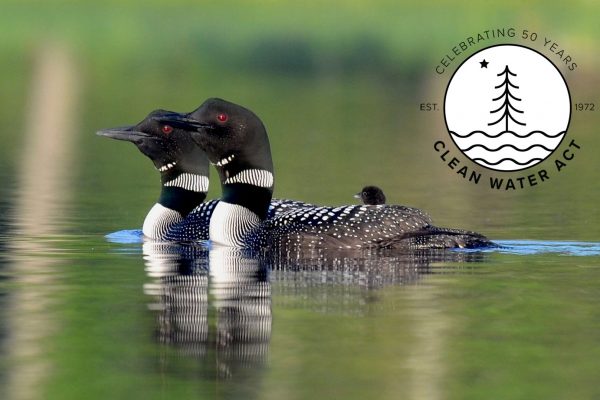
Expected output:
{"points": [[433, 237], [281, 206]]}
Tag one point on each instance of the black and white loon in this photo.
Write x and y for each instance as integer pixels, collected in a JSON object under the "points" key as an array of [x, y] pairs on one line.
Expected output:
{"points": [[236, 141], [183, 168], [180, 213]]}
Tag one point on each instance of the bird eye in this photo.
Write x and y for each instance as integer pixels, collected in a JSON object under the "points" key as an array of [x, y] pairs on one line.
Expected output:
{"points": [[166, 129], [222, 117]]}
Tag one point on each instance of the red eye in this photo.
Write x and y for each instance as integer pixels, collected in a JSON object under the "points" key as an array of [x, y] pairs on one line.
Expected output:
{"points": [[222, 117], [166, 129]]}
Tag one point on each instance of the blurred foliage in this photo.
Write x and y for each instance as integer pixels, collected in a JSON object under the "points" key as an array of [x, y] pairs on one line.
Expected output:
{"points": [[339, 82]]}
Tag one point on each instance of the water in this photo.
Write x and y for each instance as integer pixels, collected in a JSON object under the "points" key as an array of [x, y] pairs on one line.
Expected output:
{"points": [[83, 315]]}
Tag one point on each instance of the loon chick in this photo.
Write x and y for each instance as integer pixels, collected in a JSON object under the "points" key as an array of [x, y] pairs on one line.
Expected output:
{"points": [[183, 168], [371, 196], [236, 141], [180, 213]]}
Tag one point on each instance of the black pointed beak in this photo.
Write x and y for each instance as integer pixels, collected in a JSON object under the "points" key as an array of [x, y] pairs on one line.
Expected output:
{"points": [[181, 121], [127, 133], [357, 195]]}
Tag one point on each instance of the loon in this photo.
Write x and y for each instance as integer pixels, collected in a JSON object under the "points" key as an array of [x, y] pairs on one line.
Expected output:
{"points": [[183, 168], [371, 195], [236, 141], [179, 214]]}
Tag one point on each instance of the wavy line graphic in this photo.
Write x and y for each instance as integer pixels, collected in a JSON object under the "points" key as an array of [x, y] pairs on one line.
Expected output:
{"points": [[495, 143], [507, 159], [507, 132], [506, 145], [521, 157]]}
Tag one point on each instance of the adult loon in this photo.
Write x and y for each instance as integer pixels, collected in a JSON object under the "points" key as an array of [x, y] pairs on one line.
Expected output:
{"points": [[371, 195], [180, 213], [183, 168], [236, 141]]}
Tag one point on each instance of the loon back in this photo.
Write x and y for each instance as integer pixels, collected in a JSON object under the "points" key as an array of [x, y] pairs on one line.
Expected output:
{"points": [[196, 225], [236, 141], [360, 227]]}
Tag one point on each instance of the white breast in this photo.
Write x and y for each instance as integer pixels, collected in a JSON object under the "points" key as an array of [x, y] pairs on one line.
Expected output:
{"points": [[231, 223], [158, 221]]}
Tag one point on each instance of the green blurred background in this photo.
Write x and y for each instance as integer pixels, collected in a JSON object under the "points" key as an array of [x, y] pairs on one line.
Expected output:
{"points": [[337, 83]]}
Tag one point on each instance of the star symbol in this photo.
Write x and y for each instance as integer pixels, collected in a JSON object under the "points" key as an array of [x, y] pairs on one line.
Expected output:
{"points": [[483, 63]]}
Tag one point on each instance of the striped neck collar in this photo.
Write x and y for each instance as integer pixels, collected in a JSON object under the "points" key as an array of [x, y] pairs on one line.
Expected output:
{"points": [[187, 181], [256, 177], [183, 192], [250, 188]]}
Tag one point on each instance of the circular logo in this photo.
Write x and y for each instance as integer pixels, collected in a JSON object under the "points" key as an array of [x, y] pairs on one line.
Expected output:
{"points": [[507, 107]]}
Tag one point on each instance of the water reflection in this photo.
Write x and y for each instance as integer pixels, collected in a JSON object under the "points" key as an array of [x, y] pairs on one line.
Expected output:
{"points": [[242, 299], [34, 218], [215, 305], [180, 287]]}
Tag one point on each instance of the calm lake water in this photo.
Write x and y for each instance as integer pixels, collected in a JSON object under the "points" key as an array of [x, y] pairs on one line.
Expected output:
{"points": [[83, 315]]}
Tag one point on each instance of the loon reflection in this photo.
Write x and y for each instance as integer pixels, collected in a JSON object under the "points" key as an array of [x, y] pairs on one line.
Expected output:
{"points": [[218, 300], [242, 299], [216, 304]]}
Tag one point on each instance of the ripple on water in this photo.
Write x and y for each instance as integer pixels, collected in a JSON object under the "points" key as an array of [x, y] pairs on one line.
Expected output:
{"points": [[126, 236], [567, 248], [519, 247]]}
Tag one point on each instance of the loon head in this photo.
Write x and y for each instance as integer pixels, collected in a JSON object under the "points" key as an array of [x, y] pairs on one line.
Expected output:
{"points": [[171, 149], [233, 137], [371, 195]]}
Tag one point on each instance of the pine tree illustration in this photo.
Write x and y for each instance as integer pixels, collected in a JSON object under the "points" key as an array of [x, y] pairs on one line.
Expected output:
{"points": [[507, 107]]}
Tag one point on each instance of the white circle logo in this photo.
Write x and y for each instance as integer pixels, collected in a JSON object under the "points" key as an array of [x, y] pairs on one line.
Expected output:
{"points": [[507, 107]]}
